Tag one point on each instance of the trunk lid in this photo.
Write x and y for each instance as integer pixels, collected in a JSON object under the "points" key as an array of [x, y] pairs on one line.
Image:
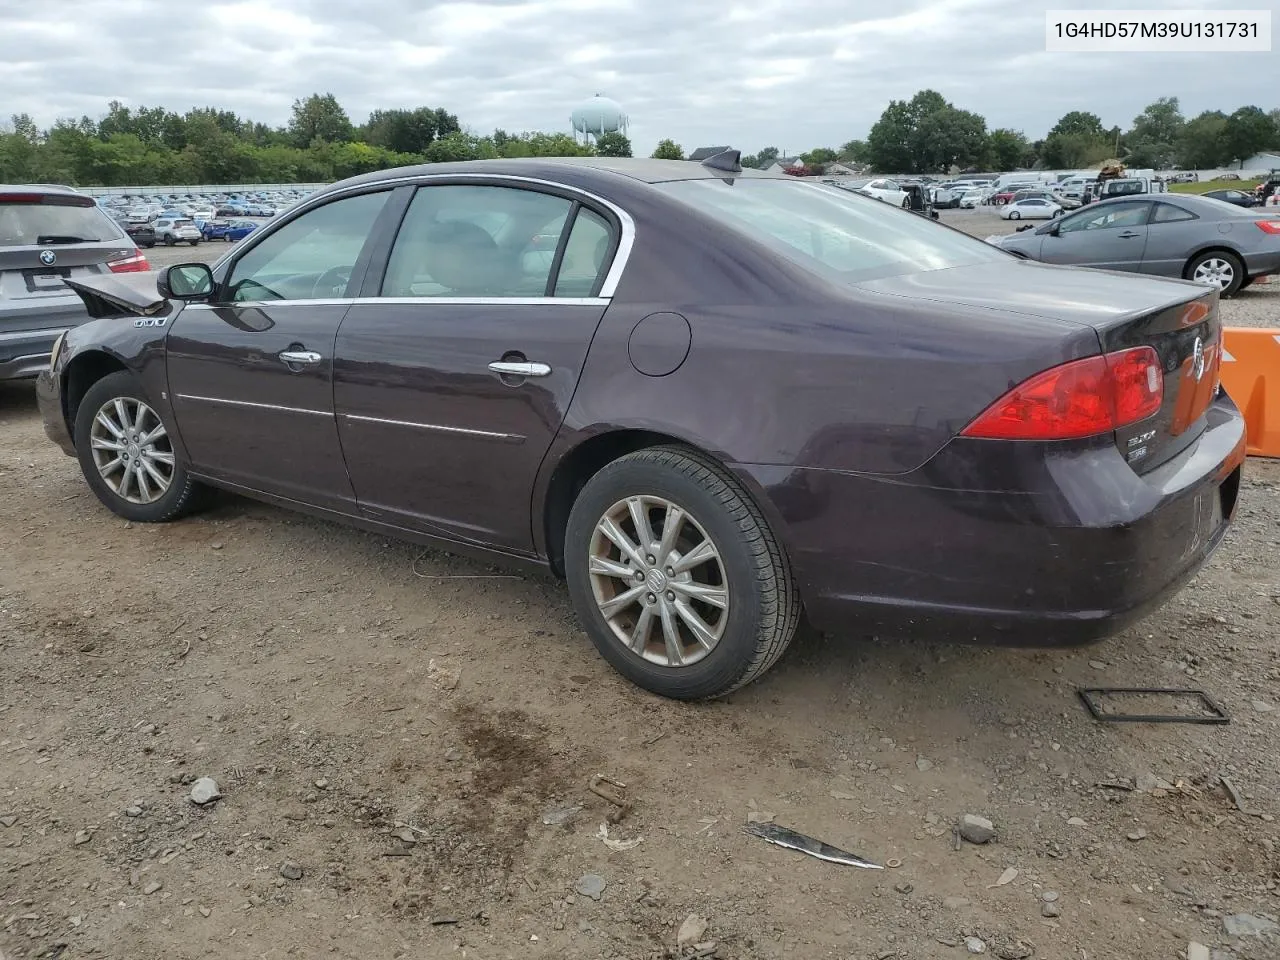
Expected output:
{"points": [[1177, 319], [124, 294]]}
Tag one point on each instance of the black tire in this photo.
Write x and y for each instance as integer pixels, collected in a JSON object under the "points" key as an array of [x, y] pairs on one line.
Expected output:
{"points": [[1014, 215], [195, 243], [1237, 269], [764, 605], [169, 241], [183, 495]]}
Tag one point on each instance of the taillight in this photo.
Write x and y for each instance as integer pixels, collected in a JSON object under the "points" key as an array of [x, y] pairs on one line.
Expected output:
{"points": [[1268, 226], [133, 263], [1082, 398]]}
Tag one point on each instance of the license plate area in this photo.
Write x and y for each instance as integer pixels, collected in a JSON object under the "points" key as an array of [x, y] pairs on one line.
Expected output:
{"points": [[46, 279]]}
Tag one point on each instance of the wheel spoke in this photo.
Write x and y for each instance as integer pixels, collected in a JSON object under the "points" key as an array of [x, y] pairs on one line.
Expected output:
{"points": [[643, 627], [703, 552], [612, 607], [126, 475], [161, 456], [715, 596], [109, 467], [611, 568], [640, 517], [621, 541], [144, 485], [697, 626], [122, 415], [161, 480], [671, 634], [100, 444], [671, 524], [157, 433], [109, 426]]}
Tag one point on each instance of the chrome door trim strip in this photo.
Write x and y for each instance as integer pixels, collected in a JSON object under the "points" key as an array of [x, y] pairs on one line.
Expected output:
{"points": [[223, 401], [424, 301], [626, 242], [438, 428]]}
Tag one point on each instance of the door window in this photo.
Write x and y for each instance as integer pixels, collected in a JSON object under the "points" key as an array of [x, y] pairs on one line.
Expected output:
{"points": [[464, 240], [1113, 216], [586, 255], [310, 258], [1168, 213]]}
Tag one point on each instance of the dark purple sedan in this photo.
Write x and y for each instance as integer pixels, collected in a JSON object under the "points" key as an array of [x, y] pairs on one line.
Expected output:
{"points": [[714, 400]]}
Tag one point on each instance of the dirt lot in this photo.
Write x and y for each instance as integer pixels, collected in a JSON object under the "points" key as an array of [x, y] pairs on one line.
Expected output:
{"points": [[399, 740]]}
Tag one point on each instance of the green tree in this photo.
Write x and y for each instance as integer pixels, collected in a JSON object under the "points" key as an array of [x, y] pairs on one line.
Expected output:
{"points": [[668, 150], [1247, 131], [1007, 149], [1201, 145], [613, 144], [946, 138], [855, 151], [408, 131], [319, 117], [819, 156], [758, 161], [1155, 135], [889, 147], [1080, 123]]}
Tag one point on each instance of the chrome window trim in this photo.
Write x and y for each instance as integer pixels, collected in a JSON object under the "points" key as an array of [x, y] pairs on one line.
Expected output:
{"points": [[626, 241], [256, 406], [455, 301], [437, 427]]}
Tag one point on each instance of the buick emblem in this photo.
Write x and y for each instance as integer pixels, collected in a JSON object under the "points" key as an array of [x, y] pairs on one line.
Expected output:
{"points": [[47, 257], [1197, 359]]}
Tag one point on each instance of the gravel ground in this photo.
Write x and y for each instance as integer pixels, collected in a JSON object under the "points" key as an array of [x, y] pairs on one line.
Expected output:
{"points": [[404, 741]]}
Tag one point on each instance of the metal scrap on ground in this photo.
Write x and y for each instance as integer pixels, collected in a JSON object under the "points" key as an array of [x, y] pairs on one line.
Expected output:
{"points": [[786, 837]]}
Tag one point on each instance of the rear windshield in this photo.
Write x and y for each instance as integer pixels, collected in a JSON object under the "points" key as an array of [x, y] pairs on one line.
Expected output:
{"points": [[832, 232], [24, 223]]}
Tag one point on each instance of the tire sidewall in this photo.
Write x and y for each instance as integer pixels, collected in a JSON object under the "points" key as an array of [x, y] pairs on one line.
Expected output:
{"points": [[1237, 268], [124, 384], [732, 656]]}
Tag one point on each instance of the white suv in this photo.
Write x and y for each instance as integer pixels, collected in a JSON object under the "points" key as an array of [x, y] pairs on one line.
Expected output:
{"points": [[170, 231]]}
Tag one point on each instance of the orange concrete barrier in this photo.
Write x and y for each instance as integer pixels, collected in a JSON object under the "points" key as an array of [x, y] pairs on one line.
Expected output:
{"points": [[1250, 374]]}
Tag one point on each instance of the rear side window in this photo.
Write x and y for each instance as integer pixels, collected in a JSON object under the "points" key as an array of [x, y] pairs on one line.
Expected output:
{"points": [[832, 232], [1168, 213], [586, 255], [34, 219], [463, 240]]}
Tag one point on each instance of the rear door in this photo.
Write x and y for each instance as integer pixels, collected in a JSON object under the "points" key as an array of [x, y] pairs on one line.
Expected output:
{"points": [[455, 370], [1112, 236]]}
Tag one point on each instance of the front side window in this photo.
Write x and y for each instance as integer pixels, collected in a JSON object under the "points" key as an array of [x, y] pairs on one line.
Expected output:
{"points": [[476, 240], [309, 258], [1112, 216], [840, 235]]}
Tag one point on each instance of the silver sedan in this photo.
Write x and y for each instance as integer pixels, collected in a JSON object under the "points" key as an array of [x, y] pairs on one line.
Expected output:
{"points": [[1165, 234]]}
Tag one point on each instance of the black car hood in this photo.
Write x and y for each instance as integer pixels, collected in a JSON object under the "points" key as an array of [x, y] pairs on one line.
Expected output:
{"points": [[1091, 298], [121, 295]]}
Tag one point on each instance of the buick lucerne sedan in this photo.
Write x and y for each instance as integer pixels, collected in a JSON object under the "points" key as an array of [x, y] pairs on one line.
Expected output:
{"points": [[713, 400]]}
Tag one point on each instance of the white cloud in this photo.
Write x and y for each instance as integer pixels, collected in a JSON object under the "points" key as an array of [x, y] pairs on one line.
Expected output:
{"points": [[791, 73]]}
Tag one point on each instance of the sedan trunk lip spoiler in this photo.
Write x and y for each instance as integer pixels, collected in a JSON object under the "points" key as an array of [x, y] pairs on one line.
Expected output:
{"points": [[128, 295]]}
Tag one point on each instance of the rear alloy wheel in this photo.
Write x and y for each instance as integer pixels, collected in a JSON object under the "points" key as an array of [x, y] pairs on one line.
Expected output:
{"points": [[1217, 268], [1014, 215], [676, 575], [127, 456]]}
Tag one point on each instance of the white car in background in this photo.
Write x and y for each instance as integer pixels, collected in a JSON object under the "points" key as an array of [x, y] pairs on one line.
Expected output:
{"points": [[974, 198], [1032, 208], [882, 188]]}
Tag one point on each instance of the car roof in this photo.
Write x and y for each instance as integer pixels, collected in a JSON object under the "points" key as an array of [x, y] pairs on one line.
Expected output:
{"points": [[39, 188], [1204, 207], [585, 169]]}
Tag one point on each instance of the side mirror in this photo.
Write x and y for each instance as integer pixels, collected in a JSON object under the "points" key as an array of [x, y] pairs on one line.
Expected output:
{"points": [[186, 281]]}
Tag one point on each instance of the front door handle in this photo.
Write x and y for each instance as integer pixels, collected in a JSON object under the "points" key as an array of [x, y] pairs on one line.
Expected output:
{"points": [[299, 357], [520, 368], [1129, 236]]}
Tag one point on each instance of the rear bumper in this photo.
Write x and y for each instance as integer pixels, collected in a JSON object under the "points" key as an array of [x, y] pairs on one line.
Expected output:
{"points": [[24, 353], [1262, 264], [1007, 543]]}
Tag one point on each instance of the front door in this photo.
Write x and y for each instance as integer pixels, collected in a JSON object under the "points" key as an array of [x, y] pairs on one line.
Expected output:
{"points": [[251, 373], [1113, 236], [451, 382]]}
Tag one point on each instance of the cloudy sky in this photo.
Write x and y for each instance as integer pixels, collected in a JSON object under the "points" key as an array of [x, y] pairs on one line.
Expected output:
{"points": [[791, 73]]}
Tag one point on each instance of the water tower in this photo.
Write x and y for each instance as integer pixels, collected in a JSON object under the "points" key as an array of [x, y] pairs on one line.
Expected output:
{"points": [[597, 116]]}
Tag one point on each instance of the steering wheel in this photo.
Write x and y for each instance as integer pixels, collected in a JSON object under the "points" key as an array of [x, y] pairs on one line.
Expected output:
{"points": [[332, 283]]}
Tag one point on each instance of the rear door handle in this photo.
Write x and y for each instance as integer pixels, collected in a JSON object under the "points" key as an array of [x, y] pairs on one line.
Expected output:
{"points": [[520, 368], [299, 357], [1129, 236]]}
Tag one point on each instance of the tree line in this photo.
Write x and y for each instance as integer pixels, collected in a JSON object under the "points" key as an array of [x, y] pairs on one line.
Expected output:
{"points": [[151, 145], [927, 134]]}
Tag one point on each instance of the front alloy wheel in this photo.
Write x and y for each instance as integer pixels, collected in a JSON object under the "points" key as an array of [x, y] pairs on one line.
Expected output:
{"points": [[131, 450], [659, 581], [127, 455], [676, 575]]}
